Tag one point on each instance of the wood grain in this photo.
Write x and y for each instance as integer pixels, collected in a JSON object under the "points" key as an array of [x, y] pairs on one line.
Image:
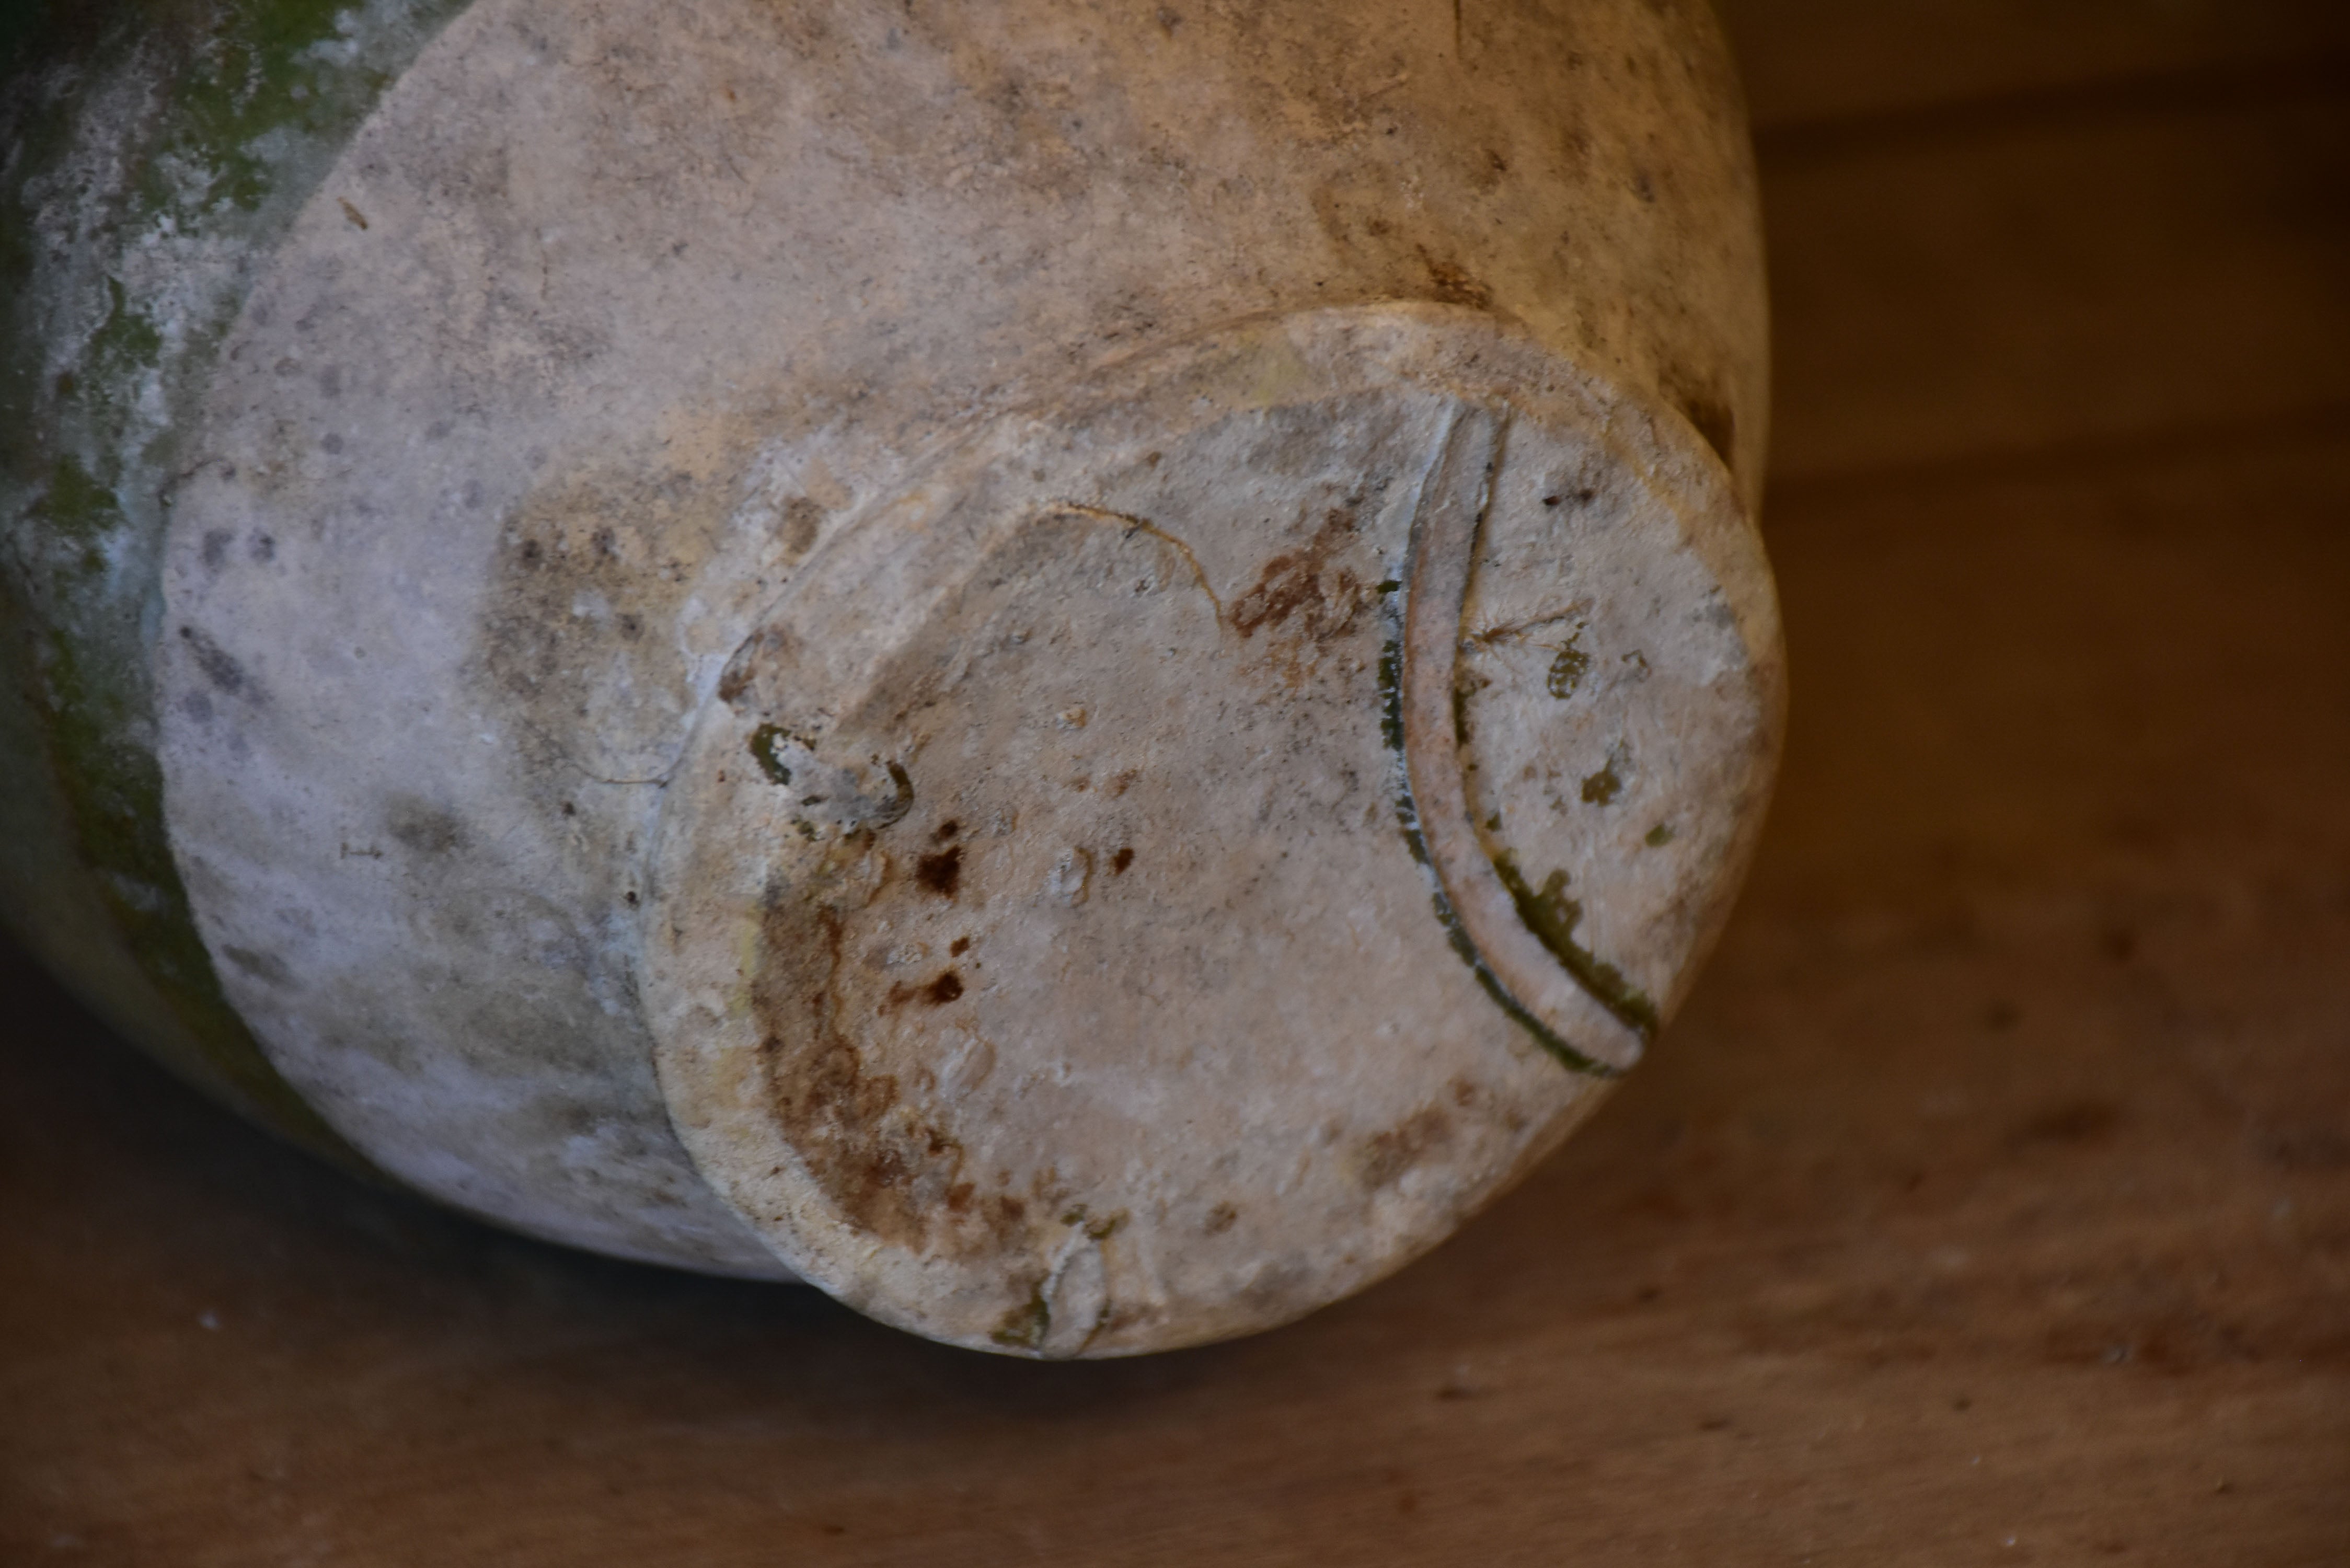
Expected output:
{"points": [[1813, 62], [2043, 280], [1991, 1204]]}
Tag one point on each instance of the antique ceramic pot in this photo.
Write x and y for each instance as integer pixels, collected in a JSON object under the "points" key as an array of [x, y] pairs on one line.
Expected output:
{"points": [[1075, 668]]}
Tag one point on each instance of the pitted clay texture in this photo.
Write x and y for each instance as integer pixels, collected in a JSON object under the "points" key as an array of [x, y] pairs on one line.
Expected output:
{"points": [[616, 317], [1059, 964]]}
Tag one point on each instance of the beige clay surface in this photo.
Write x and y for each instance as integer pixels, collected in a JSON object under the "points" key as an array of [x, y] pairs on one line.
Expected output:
{"points": [[1077, 673], [1074, 962]]}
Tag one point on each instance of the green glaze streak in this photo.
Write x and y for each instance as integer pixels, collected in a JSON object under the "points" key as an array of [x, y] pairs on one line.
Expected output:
{"points": [[151, 151], [900, 803], [1566, 670], [114, 793], [1391, 697], [1026, 1325], [1391, 672], [1407, 818], [1552, 916], [763, 751]]}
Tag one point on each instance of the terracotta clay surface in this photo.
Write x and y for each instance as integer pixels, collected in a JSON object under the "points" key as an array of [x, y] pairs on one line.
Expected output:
{"points": [[1989, 1204]]}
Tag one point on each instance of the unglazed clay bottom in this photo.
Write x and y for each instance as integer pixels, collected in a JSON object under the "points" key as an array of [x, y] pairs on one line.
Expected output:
{"points": [[1297, 777], [1077, 673]]}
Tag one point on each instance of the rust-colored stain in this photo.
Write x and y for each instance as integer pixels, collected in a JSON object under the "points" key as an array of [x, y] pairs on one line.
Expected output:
{"points": [[941, 873], [1387, 1155], [946, 988], [1304, 595], [887, 1167], [872, 1160], [1449, 282]]}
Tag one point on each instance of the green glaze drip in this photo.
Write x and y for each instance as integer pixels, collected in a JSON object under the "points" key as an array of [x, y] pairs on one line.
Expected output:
{"points": [[114, 794], [1457, 934], [1552, 916], [1567, 672], [1391, 696], [763, 750], [903, 803], [1026, 1325]]}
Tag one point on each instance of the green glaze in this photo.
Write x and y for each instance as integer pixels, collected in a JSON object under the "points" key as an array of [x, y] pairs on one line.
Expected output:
{"points": [[152, 153], [1390, 679], [1566, 670], [763, 750], [1552, 916], [1026, 1325]]}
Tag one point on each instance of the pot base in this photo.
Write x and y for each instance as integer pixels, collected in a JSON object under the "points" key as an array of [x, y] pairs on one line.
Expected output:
{"points": [[1163, 867]]}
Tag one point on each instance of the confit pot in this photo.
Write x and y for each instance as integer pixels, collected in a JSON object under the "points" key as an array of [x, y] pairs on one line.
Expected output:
{"points": [[1076, 669]]}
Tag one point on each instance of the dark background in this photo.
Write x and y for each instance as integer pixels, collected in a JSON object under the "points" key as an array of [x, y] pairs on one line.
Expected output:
{"points": [[1991, 1204]]}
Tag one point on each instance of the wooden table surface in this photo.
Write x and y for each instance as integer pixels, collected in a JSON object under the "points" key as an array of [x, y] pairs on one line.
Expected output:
{"points": [[1990, 1203]]}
